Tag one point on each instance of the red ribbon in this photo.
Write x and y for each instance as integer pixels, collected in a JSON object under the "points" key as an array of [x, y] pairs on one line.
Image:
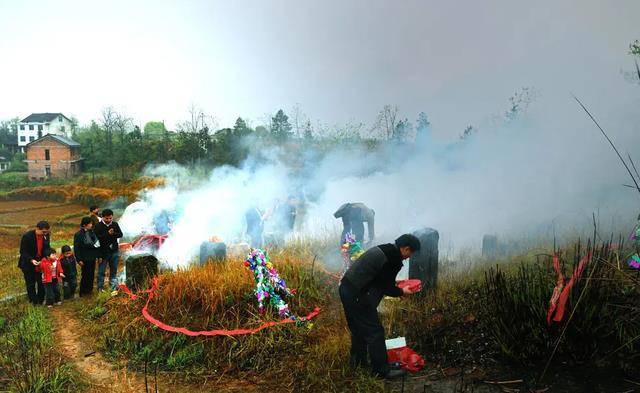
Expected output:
{"points": [[558, 302], [216, 332]]}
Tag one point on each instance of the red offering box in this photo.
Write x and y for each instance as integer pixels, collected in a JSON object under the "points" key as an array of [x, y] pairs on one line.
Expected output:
{"points": [[411, 284]]}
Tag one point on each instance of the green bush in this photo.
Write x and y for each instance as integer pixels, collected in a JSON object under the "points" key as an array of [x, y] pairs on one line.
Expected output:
{"points": [[12, 180], [18, 164]]}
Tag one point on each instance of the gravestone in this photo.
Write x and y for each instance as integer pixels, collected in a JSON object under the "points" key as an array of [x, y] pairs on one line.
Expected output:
{"points": [[140, 268], [216, 251], [489, 246], [423, 264]]}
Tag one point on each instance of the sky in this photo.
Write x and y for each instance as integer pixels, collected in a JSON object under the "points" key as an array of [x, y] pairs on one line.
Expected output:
{"points": [[458, 61]]}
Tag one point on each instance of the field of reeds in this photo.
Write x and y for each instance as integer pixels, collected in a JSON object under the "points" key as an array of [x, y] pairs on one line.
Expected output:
{"points": [[488, 321], [495, 317], [310, 356]]}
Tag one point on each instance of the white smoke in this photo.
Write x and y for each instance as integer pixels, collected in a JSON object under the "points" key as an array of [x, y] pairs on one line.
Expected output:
{"points": [[543, 174]]}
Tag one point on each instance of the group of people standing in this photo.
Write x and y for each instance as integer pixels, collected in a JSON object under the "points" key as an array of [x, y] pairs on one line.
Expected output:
{"points": [[44, 269]]}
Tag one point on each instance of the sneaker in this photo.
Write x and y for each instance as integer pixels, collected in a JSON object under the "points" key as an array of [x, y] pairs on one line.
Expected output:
{"points": [[49, 306], [59, 304]]}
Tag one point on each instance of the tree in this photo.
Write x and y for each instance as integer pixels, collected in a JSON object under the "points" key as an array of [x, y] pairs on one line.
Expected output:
{"points": [[402, 131], [422, 124], [197, 121], [519, 103], [280, 127], [107, 125], [468, 132], [298, 120], [423, 128], [634, 48], [17, 163], [308, 132], [8, 134], [154, 130], [386, 121]]}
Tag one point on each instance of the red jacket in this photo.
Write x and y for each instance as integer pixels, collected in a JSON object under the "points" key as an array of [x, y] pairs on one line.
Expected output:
{"points": [[46, 268]]}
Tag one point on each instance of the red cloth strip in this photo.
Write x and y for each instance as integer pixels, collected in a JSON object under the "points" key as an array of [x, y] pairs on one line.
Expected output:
{"points": [[558, 302], [217, 332]]}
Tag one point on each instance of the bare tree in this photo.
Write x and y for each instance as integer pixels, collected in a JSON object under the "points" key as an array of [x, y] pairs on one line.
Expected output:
{"points": [[108, 122], [197, 121], [299, 120], [386, 121]]}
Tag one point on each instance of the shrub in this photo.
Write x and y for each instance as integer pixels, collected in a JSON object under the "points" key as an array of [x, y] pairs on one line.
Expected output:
{"points": [[13, 180]]}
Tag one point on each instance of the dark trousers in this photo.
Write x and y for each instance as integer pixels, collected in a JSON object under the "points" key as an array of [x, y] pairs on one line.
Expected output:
{"points": [[367, 334], [87, 275], [355, 226], [33, 282], [52, 292], [69, 286]]}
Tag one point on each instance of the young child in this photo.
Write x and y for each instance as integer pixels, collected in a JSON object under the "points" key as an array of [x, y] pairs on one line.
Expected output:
{"points": [[51, 270], [70, 282]]}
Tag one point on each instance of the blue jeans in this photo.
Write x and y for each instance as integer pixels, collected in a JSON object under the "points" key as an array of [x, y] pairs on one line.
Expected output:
{"points": [[112, 261]]}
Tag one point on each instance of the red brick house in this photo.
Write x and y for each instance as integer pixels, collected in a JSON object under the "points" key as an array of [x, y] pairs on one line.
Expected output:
{"points": [[53, 156]]}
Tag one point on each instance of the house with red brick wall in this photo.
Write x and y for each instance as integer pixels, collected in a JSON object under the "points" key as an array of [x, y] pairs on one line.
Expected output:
{"points": [[53, 156]]}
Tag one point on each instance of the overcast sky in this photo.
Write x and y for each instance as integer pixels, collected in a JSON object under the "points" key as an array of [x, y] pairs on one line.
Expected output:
{"points": [[458, 61]]}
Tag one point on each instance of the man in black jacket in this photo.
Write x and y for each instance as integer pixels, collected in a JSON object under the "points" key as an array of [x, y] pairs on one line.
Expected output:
{"points": [[87, 249], [369, 278], [354, 215], [32, 246], [108, 232]]}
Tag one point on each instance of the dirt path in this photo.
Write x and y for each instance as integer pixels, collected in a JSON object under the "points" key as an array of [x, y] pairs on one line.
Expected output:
{"points": [[107, 377], [102, 375]]}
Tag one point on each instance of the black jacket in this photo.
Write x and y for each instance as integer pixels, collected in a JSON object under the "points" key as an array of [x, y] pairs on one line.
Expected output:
{"points": [[108, 243], [84, 246], [358, 212], [69, 267], [374, 273], [29, 248]]}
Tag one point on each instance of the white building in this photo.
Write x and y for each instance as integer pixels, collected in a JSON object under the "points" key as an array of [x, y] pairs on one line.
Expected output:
{"points": [[37, 125]]}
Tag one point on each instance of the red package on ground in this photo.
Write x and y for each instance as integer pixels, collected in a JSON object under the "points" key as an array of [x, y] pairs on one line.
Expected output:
{"points": [[407, 357], [413, 283]]}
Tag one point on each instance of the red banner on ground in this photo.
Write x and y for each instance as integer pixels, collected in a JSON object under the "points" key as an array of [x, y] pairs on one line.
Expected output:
{"points": [[217, 332]]}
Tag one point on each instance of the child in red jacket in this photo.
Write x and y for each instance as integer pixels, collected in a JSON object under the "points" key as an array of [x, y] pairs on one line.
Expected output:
{"points": [[51, 270]]}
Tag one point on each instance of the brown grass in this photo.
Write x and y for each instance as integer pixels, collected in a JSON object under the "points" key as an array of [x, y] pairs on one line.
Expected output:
{"points": [[31, 217], [310, 357], [99, 191]]}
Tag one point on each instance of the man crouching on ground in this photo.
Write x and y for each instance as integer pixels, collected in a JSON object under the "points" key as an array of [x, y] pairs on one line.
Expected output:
{"points": [[371, 277]]}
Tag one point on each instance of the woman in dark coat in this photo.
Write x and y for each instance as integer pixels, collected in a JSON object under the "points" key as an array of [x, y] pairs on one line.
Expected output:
{"points": [[87, 250]]}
